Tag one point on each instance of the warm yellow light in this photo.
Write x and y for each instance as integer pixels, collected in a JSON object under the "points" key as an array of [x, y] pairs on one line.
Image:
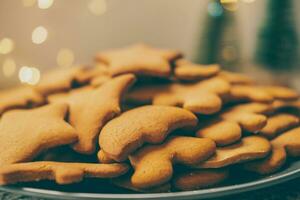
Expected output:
{"points": [[97, 7], [28, 3], [230, 5], [229, 1], [45, 4], [248, 1], [29, 75], [65, 58], [8, 67], [6, 45], [39, 35]]}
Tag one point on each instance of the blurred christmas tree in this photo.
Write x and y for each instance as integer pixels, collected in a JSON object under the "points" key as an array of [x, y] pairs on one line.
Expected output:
{"points": [[277, 45], [218, 42]]}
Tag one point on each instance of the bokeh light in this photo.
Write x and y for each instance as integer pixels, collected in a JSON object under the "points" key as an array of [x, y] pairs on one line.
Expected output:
{"points": [[65, 57], [28, 3], [214, 9], [29, 75], [45, 4], [248, 1], [97, 7], [6, 45], [8, 67], [39, 35], [230, 5]]}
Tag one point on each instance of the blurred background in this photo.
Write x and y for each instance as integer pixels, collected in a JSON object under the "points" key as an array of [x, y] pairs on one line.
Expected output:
{"points": [[258, 37]]}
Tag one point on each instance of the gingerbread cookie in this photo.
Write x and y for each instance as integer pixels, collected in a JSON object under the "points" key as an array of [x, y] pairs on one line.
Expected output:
{"points": [[235, 78], [139, 59], [194, 179], [227, 127], [286, 144], [204, 97], [125, 182], [62, 173], [289, 140], [153, 164], [21, 97], [264, 94], [90, 109], [104, 158], [221, 131], [26, 133], [249, 148], [248, 121], [278, 123], [148, 124], [100, 80], [188, 71], [270, 164]]}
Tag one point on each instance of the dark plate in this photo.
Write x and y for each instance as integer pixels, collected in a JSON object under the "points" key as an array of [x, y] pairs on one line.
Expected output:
{"points": [[95, 189]]}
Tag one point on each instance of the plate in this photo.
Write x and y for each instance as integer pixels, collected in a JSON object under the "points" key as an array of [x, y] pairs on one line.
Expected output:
{"points": [[93, 189]]}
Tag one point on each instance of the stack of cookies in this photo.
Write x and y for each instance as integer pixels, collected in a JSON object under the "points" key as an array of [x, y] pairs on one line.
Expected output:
{"points": [[148, 120]]}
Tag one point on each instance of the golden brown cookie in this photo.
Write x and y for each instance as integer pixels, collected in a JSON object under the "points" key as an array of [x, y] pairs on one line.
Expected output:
{"points": [[248, 121], [144, 94], [253, 107], [194, 179], [290, 141], [284, 145], [221, 131], [26, 133], [60, 80], [249, 148], [188, 71], [235, 78], [104, 158], [226, 128], [62, 173], [100, 80], [279, 104], [204, 97], [278, 123], [265, 94], [153, 164], [21, 97], [148, 124], [90, 109], [281, 93], [270, 164], [125, 182], [139, 59]]}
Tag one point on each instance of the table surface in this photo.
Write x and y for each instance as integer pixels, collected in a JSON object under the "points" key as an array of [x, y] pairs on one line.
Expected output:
{"points": [[285, 191]]}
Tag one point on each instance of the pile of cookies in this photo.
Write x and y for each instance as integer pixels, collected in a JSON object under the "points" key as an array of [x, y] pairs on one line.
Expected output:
{"points": [[148, 120]]}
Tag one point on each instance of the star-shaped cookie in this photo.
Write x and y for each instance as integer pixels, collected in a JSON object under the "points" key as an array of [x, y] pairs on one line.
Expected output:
{"points": [[90, 109], [139, 59], [60, 80], [26, 133], [20, 97]]}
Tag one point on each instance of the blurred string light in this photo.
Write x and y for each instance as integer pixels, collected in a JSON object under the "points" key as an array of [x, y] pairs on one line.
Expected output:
{"points": [[29, 75], [65, 57], [6, 45], [39, 35], [28, 3], [214, 9], [230, 5], [45, 4], [97, 7], [8, 67]]}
